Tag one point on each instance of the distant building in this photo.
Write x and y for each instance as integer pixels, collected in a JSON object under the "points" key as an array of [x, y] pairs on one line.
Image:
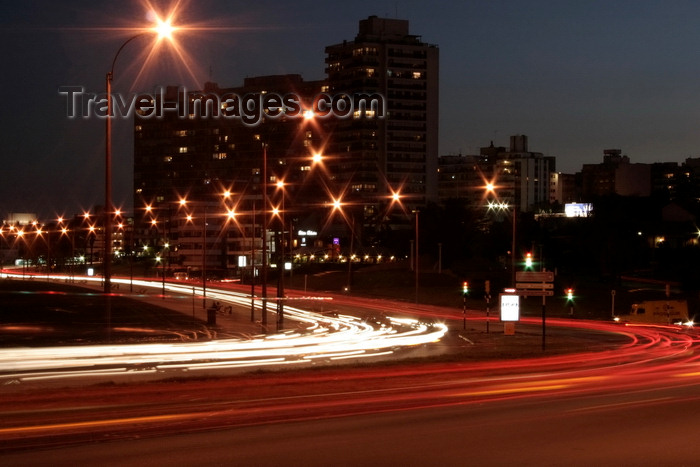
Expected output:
{"points": [[199, 159], [519, 176], [375, 157], [673, 181], [20, 218], [616, 175], [464, 177], [527, 172], [562, 188]]}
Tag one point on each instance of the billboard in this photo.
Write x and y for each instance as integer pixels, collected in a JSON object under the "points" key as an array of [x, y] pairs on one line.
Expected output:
{"points": [[510, 307], [578, 209]]}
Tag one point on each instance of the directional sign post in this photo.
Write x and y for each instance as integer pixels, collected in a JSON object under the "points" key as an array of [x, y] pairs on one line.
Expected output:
{"points": [[534, 285], [538, 284], [535, 293], [527, 276]]}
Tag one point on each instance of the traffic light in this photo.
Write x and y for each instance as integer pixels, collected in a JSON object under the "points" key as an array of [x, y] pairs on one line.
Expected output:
{"points": [[569, 293], [528, 260], [465, 288]]}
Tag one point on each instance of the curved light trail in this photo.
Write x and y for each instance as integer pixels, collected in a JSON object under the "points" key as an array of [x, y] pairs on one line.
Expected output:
{"points": [[319, 337], [648, 367]]}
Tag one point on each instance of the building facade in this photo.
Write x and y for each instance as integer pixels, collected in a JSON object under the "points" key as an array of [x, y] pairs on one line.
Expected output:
{"points": [[199, 180], [372, 158], [519, 177]]}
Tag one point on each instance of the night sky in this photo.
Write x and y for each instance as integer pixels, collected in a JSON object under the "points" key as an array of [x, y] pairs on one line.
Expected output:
{"points": [[576, 77]]}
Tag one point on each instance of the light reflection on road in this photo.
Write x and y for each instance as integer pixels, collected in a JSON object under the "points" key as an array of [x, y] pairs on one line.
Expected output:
{"points": [[338, 337]]}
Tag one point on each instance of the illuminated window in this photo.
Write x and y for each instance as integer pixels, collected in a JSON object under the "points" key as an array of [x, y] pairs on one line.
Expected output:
{"points": [[183, 149], [368, 114]]}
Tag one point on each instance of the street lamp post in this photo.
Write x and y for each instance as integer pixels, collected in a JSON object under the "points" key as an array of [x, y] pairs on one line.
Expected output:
{"points": [[190, 218], [352, 238], [512, 256], [490, 188], [417, 260], [164, 29], [252, 268], [204, 259], [280, 265], [263, 285], [107, 259]]}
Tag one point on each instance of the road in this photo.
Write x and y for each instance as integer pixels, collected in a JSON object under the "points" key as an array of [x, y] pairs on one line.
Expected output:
{"points": [[632, 404], [635, 405], [651, 427]]}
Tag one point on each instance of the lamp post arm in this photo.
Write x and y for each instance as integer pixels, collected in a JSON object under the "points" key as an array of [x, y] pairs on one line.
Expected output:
{"points": [[111, 70], [108, 208]]}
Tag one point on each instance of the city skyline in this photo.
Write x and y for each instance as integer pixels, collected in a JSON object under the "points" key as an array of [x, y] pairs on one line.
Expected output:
{"points": [[577, 79]]}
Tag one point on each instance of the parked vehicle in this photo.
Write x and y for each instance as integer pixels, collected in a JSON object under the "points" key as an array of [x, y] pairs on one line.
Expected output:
{"points": [[657, 312]]}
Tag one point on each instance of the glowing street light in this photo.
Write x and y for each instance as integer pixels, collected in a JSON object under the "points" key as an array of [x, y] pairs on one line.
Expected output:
{"points": [[164, 29]]}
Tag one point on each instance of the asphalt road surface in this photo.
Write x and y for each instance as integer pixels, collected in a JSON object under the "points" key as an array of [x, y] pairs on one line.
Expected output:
{"points": [[633, 401], [647, 427]]}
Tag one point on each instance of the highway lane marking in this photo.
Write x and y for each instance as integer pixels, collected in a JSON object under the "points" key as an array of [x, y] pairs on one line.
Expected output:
{"points": [[621, 404], [687, 375], [97, 423], [536, 386]]}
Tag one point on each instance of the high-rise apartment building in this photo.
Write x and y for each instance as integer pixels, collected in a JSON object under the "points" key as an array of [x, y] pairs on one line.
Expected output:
{"points": [[371, 158]]}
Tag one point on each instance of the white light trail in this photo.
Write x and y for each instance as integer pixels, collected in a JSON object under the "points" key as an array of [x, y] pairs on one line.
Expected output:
{"points": [[326, 338]]}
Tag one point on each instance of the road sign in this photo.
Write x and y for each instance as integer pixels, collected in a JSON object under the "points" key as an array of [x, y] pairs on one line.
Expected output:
{"points": [[535, 293], [534, 285], [527, 276]]}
